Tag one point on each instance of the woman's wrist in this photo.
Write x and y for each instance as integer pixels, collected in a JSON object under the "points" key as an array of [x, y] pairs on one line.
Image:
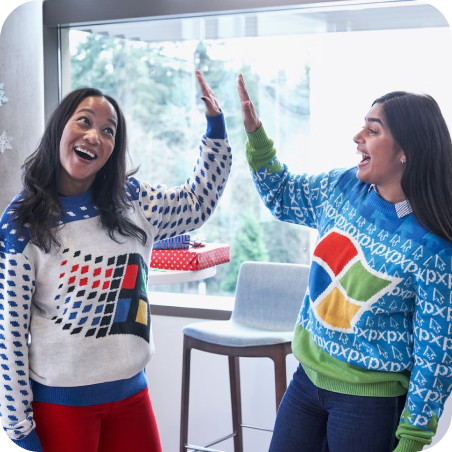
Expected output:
{"points": [[259, 140], [253, 129], [216, 127]]}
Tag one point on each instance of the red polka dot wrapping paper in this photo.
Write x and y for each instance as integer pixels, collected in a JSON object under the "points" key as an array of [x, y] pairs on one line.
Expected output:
{"points": [[192, 259]]}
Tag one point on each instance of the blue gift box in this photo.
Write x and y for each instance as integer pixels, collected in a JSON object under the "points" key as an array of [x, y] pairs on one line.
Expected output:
{"points": [[180, 242]]}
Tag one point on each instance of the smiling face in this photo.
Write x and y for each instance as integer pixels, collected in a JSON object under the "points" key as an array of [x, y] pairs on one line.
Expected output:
{"points": [[86, 144], [382, 157]]}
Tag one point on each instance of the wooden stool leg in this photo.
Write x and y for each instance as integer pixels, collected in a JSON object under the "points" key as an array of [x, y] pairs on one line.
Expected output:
{"points": [[279, 360], [185, 393], [234, 381]]}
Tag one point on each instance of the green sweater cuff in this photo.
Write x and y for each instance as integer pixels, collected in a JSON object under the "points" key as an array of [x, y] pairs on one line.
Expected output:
{"points": [[409, 445], [260, 151]]}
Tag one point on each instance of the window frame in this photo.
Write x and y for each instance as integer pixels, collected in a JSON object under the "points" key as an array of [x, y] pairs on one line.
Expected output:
{"points": [[61, 14]]}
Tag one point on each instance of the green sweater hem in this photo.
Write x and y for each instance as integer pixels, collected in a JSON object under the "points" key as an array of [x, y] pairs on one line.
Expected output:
{"points": [[331, 374], [377, 389]]}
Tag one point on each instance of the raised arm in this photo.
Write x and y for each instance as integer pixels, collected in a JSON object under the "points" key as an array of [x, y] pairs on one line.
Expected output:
{"points": [[176, 210], [292, 198]]}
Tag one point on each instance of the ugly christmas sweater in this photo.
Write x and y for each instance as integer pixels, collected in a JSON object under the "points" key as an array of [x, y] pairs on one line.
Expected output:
{"points": [[86, 305], [377, 316]]}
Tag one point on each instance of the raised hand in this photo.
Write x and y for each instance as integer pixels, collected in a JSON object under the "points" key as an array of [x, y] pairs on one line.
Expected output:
{"points": [[250, 118], [212, 105]]}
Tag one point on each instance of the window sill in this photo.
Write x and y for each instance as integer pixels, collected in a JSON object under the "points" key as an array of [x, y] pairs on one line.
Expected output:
{"points": [[191, 306]]}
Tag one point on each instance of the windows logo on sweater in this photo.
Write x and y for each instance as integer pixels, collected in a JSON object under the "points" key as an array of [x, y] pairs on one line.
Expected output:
{"points": [[342, 284], [103, 295]]}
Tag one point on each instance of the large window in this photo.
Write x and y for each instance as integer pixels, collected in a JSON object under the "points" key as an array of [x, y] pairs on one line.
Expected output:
{"points": [[312, 74]]}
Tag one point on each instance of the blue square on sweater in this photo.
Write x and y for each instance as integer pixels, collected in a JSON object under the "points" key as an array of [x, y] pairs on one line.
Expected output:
{"points": [[322, 280], [122, 310]]}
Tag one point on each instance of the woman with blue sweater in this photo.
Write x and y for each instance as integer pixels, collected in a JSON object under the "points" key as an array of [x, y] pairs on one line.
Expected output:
{"points": [[374, 333]]}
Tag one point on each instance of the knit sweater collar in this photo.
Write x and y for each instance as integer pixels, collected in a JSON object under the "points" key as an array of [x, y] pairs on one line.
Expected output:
{"points": [[380, 204], [71, 202], [402, 209]]}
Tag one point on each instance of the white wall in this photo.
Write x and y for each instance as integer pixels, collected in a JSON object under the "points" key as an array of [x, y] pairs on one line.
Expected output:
{"points": [[21, 72]]}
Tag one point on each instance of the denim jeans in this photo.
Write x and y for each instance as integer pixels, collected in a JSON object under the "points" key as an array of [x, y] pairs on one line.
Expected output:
{"points": [[311, 419]]}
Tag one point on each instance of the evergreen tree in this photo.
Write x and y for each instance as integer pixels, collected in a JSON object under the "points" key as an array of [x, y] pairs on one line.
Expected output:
{"points": [[247, 245]]}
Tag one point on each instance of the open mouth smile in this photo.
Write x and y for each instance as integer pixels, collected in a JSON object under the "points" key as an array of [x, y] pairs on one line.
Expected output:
{"points": [[365, 158], [84, 153]]}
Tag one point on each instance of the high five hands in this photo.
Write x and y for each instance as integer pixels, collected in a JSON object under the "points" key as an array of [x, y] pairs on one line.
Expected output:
{"points": [[250, 118], [212, 105]]}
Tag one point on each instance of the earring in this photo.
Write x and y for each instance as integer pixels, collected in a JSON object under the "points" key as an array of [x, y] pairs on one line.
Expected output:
{"points": [[402, 161]]}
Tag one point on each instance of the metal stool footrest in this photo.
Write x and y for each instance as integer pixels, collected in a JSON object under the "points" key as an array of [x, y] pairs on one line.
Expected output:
{"points": [[257, 428], [206, 448], [200, 449]]}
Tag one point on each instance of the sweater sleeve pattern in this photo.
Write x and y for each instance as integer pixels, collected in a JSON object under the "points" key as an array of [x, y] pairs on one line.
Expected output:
{"points": [[16, 289], [174, 211], [298, 199], [431, 376]]}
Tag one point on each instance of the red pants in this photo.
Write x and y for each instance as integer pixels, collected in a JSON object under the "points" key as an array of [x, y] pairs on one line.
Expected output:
{"points": [[128, 425]]}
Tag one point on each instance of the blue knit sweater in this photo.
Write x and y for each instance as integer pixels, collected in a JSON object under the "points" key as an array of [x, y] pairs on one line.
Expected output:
{"points": [[377, 317]]}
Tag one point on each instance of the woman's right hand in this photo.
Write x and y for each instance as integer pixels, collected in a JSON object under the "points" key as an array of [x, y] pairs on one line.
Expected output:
{"points": [[212, 105], [250, 119]]}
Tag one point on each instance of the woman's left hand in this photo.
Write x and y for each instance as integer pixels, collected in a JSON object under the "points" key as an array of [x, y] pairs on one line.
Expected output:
{"points": [[212, 105]]}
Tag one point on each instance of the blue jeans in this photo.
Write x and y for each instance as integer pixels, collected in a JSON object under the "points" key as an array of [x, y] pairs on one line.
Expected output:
{"points": [[311, 419]]}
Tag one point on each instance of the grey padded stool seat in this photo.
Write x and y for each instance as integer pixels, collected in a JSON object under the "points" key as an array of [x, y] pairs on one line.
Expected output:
{"points": [[267, 302]]}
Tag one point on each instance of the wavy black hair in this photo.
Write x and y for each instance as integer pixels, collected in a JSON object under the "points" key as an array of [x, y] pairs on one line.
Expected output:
{"points": [[39, 208], [418, 126]]}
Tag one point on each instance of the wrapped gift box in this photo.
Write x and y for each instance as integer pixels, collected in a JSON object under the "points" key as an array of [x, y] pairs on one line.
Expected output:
{"points": [[195, 258], [180, 242]]}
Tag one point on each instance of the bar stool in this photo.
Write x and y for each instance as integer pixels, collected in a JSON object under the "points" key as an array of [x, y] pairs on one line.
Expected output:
{"points": [[267, 301]]}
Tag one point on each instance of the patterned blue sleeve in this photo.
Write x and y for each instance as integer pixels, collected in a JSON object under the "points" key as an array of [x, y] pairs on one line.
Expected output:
{"points": [[16, 289], [431, 376], [298, 199], [176, 210]]}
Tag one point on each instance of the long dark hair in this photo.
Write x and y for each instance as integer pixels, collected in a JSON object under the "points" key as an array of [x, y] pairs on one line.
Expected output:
{"points": [[417, 125], [39, 208]]}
